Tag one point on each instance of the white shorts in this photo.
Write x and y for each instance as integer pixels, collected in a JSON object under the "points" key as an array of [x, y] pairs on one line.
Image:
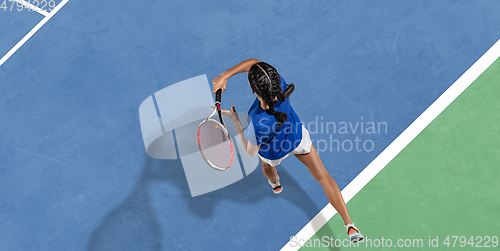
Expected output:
{"points": [[303, 148]]}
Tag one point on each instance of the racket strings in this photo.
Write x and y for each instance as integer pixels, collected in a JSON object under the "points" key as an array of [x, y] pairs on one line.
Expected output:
{"points": [[215, 144]]}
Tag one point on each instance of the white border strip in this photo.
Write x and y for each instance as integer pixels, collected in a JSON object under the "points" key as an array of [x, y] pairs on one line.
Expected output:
{"points": [[32, 32], [400, 143], [33, 7]]}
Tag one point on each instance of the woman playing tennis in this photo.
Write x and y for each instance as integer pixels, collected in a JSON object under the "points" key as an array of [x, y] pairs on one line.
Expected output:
{"points": [[275, 132]]}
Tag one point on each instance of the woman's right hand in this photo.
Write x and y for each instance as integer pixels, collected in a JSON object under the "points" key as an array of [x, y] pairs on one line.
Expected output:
{"points": [[219, 82]]}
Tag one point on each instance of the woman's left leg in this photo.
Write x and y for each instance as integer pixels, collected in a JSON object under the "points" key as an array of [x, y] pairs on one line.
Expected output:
{"points": [[272, 175], [269, 171]]}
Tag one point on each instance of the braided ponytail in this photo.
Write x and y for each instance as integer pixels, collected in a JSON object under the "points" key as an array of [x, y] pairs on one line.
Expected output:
{"points": [[265, 81], [280, 116]]}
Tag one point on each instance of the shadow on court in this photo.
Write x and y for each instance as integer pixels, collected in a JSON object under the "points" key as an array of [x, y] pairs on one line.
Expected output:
{"points": [[133, 224]]}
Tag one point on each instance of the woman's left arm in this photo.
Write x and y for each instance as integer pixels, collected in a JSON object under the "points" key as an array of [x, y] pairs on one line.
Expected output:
{"points": [[251, 150]]}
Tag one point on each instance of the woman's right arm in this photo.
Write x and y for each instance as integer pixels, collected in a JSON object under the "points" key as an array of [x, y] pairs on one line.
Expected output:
{"points": [[220, 81]]}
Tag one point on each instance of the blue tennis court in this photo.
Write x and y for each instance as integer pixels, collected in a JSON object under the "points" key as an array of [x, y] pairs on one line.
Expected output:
{"points": [[74, 173]]}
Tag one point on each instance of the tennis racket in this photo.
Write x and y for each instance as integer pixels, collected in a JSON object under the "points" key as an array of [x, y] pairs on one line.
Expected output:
{"points": [[213, 140]]}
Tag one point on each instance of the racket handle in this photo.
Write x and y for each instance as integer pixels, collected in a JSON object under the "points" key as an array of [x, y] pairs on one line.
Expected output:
{"points": [[217, 98]]}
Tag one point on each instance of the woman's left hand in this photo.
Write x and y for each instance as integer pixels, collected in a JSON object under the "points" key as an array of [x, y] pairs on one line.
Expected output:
{"points": [[232, 114]]}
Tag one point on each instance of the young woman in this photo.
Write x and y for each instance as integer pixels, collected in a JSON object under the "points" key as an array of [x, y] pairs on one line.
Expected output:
{"points": [[275, 132]]}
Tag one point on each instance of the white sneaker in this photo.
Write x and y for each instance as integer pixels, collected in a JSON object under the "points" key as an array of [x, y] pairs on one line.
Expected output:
{"points": [[353, 233], [276, 186]]}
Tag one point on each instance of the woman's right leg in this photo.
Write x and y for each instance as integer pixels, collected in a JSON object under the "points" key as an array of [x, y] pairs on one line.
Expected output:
{"points": [[312, 161]]}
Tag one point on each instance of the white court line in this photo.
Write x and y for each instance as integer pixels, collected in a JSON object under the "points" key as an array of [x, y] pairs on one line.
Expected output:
{"points": [[399, 143], [33, 7], [32, 32]]}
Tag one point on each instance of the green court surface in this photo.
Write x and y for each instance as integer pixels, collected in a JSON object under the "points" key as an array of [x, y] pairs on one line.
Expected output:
{"points": [[445, 183]]}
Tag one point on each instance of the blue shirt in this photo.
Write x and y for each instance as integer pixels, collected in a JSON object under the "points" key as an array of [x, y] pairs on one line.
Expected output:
{"points": [[275, 142]]}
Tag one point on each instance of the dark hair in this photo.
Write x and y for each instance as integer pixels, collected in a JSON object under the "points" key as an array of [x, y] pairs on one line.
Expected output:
{"points": [[265, 81]]}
